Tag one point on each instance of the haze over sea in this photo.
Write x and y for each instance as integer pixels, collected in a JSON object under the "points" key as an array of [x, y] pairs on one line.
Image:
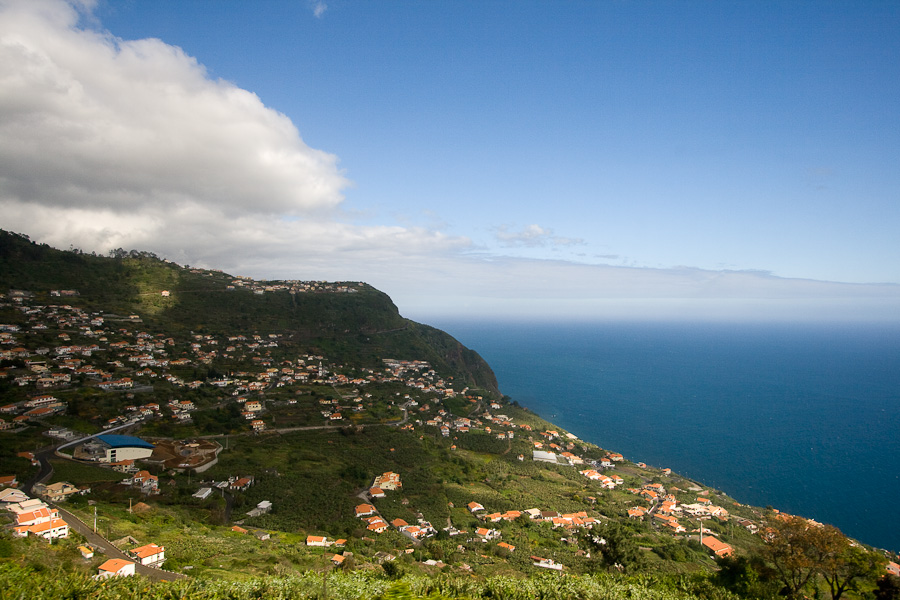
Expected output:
{"points": [[803, 418]]}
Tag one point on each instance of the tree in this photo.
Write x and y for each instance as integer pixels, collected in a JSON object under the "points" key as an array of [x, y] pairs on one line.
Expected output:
{"points": [[792, 550], [618, 550], [844, 563], [749, 577], [888, 588]]}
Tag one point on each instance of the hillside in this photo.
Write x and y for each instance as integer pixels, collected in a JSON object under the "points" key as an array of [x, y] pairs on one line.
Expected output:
{"points": [[360, 325], [307, 435]]}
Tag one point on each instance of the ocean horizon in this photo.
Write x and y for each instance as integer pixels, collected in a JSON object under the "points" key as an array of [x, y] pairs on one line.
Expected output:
{"points": [[804, 418]]}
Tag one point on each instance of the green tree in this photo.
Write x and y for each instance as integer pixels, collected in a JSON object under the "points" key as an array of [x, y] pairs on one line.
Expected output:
{"points": [[792, 550], [888, 588], [617, 548], [746, 576], [843, 563]]}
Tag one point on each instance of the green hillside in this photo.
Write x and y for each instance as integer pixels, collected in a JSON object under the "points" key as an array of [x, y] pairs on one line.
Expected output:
{"points": [[277, 408], [360, 327]]}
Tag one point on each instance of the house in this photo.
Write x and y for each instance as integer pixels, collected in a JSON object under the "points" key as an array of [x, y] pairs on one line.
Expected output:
{"points": [[364, 510], [241, 484], [8, 481], [150, 555], [487, 534], [376, 492], [509, 547], [49, 530], [202, 493], [258, 424], [317, 540], [116, 567], [43, 514], [546, 563], [717, 547], [59, 492], [27, 506], [377, 524], [123, 466], [12, 496], [86, 552], [145, 481], [474, 507], [238, 529], [388, 481]]}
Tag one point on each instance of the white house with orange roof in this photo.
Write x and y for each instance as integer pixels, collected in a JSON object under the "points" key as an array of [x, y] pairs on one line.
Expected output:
{"points": [[317, 540], [40, 514], [717, 547], [388, 481], [150, 555], [49, 530], [116, 567]]}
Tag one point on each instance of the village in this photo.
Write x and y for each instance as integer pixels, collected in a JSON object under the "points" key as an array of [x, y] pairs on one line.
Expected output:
{"points": [[144, 381]]}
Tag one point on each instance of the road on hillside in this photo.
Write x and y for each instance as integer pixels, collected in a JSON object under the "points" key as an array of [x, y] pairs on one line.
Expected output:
{"points": [[44, 472], [104, 546], [402, 421]]}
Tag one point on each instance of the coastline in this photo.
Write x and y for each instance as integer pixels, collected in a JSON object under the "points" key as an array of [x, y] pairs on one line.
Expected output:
{"points": [[775, 417]]}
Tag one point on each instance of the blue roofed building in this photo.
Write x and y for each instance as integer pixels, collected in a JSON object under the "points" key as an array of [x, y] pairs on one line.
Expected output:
{"points": [[124, 447]]}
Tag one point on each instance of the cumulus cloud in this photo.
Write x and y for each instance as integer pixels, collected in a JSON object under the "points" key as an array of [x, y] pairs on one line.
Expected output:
{"points": [[112, 143], [532, 236], [91, 121], [319, 9], [109, 143]]}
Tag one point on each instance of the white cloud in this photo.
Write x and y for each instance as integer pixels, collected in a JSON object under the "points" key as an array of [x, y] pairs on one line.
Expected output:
{"points": [[93, 121], [532, 236], [319, 9], [108, 143], [112, 143]]}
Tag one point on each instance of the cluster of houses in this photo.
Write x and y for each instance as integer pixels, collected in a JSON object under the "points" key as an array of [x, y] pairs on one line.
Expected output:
{"points": [[149, 555], [568, 521], [115, 356], [33, 516], [294, 286], [376, 524], [235, 483]]}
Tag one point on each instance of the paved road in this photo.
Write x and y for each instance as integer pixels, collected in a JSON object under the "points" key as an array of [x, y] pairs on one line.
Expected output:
{"points": [[46, 470], [100, 543], [104, 546]]}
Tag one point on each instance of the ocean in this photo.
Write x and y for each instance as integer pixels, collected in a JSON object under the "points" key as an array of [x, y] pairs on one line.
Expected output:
{"points": [[803, 418]]}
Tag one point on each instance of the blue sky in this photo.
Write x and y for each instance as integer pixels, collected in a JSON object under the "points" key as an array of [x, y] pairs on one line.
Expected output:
{"points": [[729, 160]]}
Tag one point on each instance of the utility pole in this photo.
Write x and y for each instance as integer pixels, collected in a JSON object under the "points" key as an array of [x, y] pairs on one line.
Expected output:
{"points": [[95, 518]]}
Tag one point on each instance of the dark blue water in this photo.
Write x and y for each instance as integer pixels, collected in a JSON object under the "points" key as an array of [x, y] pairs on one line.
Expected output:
{"points": [[804, 418]]}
